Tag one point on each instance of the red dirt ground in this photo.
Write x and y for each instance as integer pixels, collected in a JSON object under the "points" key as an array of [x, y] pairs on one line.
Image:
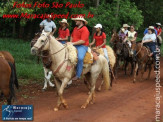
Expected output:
{"points": [[126, 102]]}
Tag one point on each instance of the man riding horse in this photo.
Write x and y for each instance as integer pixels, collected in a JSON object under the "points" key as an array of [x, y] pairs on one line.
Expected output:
{"points": [[80, 39]]}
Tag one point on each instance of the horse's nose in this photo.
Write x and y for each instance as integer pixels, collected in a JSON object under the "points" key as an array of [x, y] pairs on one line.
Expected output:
{"points": [[33, 51]]}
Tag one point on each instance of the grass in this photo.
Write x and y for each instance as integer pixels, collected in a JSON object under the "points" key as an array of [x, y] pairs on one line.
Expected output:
{"points": [[26, 64]]}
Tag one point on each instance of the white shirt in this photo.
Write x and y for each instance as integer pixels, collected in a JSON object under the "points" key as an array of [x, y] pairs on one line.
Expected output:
{"points": [[126, 31], [150, 37], [48, 25]]}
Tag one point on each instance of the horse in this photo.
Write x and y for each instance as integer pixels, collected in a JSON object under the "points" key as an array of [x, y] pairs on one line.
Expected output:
{"points": [[7, 80], [128, 57], [46, 63], [64, 69], [142, 60], [9, 58]]}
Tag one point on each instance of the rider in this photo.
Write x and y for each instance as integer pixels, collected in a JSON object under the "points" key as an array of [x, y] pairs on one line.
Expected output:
{"points": [[80, 39], [131, 35], [122, 34], [100, 39], [126, 26], [48, 25], [63, 32], [159, 31], [150, 40]]}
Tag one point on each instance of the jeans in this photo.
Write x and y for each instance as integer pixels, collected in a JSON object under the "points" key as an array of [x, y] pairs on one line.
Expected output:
{"points": [[106, 54], [63, 42], [152, 46], [81, 54]]}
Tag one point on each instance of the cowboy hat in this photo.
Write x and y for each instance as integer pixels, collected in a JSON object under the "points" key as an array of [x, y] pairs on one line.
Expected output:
{"points": [[125, 26], [123, 30], [64, 21], [158, 24], [80, 18], [151, 27], [98, 26]]}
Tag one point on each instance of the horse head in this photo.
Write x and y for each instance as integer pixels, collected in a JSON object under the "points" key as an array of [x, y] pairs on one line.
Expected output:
{"points": [[34, 40], [42, 43], [119, 48], [133, 48]]}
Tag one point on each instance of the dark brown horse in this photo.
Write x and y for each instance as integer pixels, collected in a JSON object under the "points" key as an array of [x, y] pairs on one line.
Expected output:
{"points": [[9, 58], [142, 59], [7, 79], [37, 35]]}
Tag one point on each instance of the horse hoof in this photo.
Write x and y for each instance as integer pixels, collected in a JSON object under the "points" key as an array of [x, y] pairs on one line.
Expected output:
{"points": [[83, 107], [55, 109], [110, 88], [91, 102], [43, 90], [99, 89]]}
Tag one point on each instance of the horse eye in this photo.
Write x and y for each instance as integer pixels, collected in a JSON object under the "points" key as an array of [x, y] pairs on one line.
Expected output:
{"points": [[42, 40]]}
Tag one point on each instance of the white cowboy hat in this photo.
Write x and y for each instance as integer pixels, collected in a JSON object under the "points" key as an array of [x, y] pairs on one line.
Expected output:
{"points": [[81, 18], [125, 26], [158, 24], [123, 30], [151, 27], [98, 26], [64, 21]]}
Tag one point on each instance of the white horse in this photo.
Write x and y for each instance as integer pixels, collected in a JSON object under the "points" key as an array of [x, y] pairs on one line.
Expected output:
{"points": [[64, 69]]}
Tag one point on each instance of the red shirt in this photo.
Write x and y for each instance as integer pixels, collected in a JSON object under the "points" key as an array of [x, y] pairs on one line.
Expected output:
{"points": [[158, 30], [81, 34], [100, 39], [63, 33]]}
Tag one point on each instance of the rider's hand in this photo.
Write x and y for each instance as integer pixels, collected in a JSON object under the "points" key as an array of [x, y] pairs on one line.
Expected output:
{"points": [[68, 43]]}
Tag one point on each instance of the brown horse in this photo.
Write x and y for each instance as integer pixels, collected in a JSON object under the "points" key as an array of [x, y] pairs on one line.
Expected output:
{"points": [[7, 78], [9, 58], [34, 40], [142, 59]]}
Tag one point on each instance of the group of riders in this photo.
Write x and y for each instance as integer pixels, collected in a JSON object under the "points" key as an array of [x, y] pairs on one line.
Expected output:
{"points": [[152, 37], [80, 37]]}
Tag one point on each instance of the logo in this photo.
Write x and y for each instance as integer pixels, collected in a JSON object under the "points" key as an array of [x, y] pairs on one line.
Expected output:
{"points": [[17, 112]]}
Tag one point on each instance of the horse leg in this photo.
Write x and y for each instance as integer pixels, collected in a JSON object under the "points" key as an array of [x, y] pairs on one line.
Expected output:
{"points": [[126, 64], [150, 68], [6, 93], [91, 96], [132, 67], [87, 81], [142, 72], [136, 69], [48, 79], [61, 100], [99, 88]]}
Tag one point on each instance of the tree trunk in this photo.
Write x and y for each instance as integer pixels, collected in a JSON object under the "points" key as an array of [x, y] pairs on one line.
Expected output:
{"points": [[117, 12], [13, 28]]}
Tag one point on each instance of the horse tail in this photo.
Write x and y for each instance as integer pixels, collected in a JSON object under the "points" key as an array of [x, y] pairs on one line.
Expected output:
{"points": [[105, 73], [16, 79], [12, 79]]}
